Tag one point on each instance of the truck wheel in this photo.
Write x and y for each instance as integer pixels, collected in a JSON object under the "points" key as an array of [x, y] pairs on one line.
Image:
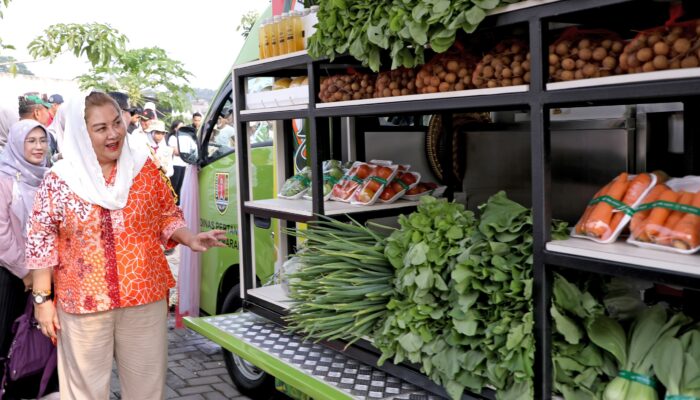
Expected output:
{"points": [[249, 379]]}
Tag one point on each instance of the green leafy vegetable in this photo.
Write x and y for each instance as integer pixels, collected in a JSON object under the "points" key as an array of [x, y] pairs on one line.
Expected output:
{"points": [[676, 364], [364, 28]]}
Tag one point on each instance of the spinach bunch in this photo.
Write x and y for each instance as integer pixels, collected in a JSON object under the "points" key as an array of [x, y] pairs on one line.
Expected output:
{"points": [[365, 28], [423, 252], [581, 368], [491, 293]]}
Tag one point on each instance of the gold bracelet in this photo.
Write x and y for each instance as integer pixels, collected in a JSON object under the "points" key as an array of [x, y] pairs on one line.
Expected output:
{"points": [[44, 293]]}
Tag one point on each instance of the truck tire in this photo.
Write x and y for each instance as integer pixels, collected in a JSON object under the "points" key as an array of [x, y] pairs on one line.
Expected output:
{"points": [[250, 380]]}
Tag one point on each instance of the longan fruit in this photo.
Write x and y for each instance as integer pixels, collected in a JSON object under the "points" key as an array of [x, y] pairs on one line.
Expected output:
{"points": [[567, 75], [653, 39], [517, 71], [616, 47], [507, 73], [552, 69], [459, 86], [661, 49], [411, 85], [584, 44], [526, 64], [419, 84], [568, 64], [488, 72], [562, 49], [607, 44], [681, 45], [462, 72], [580, 64], [609, 62], [431, 89], [632, 61], [452, 66], [689, 62], [675, 64], [589, 70], [450, 77], [660, 62], [553, 59], [526, 77], [492, 84], [517, 81], [599, 53], [506, 82], [434, 81], [395, 92], [645, 54], [585, 54], [578, 74], [405, 92], [648, 67], [465, 80], [347, 97]]}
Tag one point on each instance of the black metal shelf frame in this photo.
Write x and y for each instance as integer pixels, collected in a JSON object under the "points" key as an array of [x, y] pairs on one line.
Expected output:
{"points": [[538, 100]]}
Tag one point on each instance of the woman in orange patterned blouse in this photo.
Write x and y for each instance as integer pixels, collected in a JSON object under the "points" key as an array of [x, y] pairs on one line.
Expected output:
{"points": [[101, 218]]}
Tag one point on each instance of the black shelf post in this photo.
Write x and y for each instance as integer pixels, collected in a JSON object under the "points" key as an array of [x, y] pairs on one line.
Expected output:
{"points": [[541, 210], [243, 185]]}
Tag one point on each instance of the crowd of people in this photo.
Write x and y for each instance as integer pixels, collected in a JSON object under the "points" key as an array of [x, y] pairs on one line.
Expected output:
{"points": [[88, 209]]}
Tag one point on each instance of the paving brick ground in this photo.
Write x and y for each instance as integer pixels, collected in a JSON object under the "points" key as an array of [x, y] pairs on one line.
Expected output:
{"points": [[196, 369]]}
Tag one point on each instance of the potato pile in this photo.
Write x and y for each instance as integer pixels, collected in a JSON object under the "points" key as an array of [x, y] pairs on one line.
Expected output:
{"points": [[662, 49], [398, 82], [506, 65], [347, 87], [584, 58], [445, 73]]}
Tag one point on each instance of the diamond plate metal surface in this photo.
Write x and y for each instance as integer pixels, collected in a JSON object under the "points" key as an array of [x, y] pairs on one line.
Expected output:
{"points": [[350, 376]]}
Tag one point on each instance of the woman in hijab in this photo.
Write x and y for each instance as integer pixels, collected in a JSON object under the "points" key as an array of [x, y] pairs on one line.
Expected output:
{"points": [[22, 168], [8, 118], [100, 219]]}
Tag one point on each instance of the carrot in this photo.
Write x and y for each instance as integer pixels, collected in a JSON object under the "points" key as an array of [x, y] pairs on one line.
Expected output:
{"points": [[639, 217], [598, 224], [655, 223], [666, 234], [581, 226], [687, 230], [638, 185]]}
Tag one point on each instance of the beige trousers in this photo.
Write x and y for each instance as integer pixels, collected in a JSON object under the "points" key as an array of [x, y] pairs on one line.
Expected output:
{"points": [[137, 337]]}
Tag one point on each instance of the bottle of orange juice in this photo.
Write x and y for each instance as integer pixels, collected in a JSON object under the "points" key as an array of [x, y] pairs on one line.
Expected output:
{"points": [[274, 35], [268, 37], [282, 33], [298, 29], [262, 45]]}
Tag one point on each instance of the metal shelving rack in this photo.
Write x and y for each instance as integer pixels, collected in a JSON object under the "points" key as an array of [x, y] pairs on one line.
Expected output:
{"points": [[539, 98]]}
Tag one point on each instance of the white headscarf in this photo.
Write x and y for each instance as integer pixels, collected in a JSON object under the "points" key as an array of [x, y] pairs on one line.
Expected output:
{"points": [[81, 171]]}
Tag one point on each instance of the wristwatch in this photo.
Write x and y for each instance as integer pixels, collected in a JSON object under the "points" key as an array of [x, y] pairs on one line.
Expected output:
{"points": [[41, 297]]}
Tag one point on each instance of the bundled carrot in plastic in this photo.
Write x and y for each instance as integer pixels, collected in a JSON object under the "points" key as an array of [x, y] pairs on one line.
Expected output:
{"points": [[687, 231], [639, 217], [612, 207], [666, 235], [654, 224]]}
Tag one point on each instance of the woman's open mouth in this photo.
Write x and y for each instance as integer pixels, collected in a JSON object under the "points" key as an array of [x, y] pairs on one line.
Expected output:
{"points": [[112, 146]]}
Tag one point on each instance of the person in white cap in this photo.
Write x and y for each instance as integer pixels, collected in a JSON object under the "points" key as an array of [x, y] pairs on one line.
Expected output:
{"points": [[161, 153]]}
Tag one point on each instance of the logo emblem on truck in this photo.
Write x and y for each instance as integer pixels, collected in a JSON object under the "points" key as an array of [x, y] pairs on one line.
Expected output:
{"points": [[221, 191]]}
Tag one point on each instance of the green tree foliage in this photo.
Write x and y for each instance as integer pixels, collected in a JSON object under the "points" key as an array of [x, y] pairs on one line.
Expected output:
{"points": [[99, 42], [146, 69], [3, 46], [114, 67], [9, 65], [247, 21]]}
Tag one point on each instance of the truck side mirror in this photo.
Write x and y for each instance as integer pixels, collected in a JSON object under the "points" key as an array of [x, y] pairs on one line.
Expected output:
{"points": [[187, 144]]}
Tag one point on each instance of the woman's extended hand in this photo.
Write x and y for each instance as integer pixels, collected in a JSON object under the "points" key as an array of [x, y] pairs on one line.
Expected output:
{"points": [[203, 241], [47, 317]]}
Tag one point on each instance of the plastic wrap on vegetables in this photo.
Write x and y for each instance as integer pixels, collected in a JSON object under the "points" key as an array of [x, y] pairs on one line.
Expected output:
{"points": [[297, 185]]}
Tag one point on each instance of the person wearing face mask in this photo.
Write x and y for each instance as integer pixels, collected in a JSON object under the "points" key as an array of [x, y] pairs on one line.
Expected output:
{"points": [[22, 167], [101, 218]]}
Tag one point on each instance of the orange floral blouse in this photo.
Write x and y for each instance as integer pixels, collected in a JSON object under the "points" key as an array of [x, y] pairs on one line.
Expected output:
{"points": [[105, 259]]}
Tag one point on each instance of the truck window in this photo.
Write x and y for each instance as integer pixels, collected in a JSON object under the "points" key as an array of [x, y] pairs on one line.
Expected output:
{"points": [[223, 136]]}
